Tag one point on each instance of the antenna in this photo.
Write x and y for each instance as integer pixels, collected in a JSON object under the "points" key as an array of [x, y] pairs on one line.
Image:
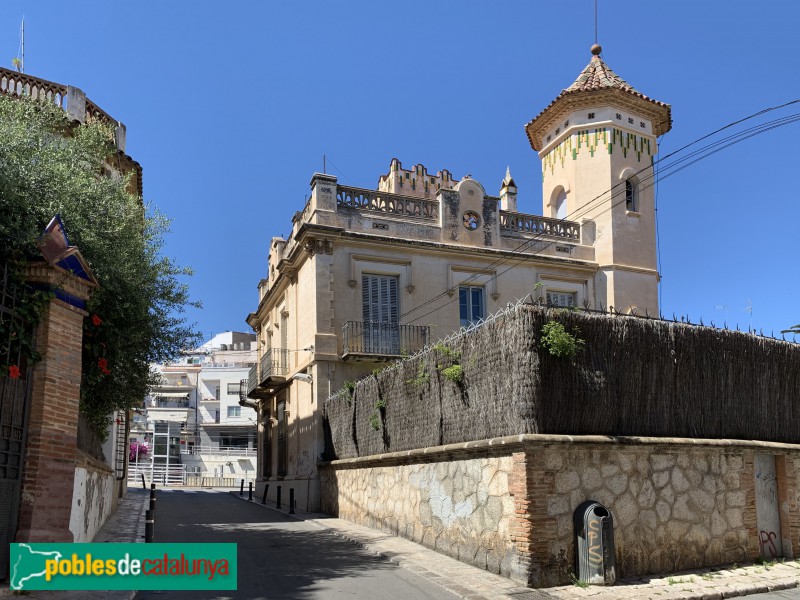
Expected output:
{"points": [[19, 60], [749, 308], [324, 165], [595, 21]]}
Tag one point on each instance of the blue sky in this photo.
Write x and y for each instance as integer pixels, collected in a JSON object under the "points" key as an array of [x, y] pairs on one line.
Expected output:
{"points": [[231, 106]]}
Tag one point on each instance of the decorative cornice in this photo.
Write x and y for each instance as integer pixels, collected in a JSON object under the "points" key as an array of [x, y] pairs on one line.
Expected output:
{"points": [[658, 113]]}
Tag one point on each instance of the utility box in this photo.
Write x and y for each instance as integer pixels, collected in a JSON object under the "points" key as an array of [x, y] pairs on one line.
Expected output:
{"points": [[594, 544]]}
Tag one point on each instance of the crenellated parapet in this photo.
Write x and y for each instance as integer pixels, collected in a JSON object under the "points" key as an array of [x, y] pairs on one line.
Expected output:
{"points": [[415, 181]]}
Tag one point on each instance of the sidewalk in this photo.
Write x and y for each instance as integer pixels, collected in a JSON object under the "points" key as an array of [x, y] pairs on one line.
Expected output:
{"points": [[126, 524], [473, 583]]}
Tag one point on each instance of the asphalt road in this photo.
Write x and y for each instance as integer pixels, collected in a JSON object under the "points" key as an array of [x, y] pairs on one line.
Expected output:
{"points": [[278, 557]]}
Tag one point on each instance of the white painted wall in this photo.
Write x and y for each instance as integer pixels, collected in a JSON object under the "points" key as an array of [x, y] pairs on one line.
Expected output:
{"points": [[93, 499]]}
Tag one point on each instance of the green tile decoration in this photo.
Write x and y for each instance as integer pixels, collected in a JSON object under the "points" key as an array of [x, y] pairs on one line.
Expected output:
{"points": [[589, 139]]}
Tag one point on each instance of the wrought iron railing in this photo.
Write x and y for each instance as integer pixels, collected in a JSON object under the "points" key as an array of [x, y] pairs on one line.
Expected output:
{"points": [[383, 339], [274, 363], [522, 223], [384, 202], [252, 382]]}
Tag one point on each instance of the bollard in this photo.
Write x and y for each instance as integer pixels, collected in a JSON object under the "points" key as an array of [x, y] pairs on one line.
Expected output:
{"points": [[264, 497], [149, 526], [250, 492], [144, 485], [278, 503], [153, 496], [291, 501], [241, 488]]}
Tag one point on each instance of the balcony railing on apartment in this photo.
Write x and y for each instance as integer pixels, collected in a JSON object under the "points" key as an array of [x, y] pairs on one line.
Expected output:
{"points": [[384, 202], [218, 450], [371, 338], [270, 371], [522, 223], [274, 363]]}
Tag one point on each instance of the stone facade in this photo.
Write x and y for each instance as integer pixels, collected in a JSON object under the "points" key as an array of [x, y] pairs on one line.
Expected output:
{"points": [[507, 504]]}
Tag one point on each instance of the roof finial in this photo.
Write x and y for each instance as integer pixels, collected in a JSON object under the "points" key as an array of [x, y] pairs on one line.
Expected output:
{"points": [[508, 172], [596, 49]]}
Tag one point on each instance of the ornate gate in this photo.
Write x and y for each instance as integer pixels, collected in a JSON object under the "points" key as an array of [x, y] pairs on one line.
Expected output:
{"points": [[14, 401]]}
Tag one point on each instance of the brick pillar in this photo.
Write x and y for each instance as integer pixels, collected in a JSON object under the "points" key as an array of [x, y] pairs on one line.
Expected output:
{"points": [[749, 517], [51, 449]]}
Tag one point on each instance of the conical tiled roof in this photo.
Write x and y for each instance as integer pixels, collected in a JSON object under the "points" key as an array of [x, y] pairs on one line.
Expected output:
{"points": [[598, 78], [598, 75]]}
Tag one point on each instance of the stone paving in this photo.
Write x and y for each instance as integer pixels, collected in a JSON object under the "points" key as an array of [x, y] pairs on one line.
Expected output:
{"points": [[126, 524], [473, 583]]}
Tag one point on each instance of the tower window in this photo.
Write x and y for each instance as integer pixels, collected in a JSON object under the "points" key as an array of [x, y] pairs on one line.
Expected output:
{"points": [[561, 204], [630, 120], [591, 115], [631, 196]]}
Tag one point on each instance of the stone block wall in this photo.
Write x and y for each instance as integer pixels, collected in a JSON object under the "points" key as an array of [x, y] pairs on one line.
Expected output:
{"points": [[460, 507], [507, 504]]}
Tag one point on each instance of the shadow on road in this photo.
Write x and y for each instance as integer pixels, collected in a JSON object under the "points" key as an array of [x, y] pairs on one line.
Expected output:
{"points": [[278, 557]]}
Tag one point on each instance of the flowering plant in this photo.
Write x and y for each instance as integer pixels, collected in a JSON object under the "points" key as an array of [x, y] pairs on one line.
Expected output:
{"points": [[138, 449]]}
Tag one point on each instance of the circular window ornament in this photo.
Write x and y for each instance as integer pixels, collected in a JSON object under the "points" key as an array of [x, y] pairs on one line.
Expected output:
{"points": [[472, 220]]}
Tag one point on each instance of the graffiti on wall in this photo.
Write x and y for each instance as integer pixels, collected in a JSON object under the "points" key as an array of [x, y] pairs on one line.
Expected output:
{"points": [[768, 516]]}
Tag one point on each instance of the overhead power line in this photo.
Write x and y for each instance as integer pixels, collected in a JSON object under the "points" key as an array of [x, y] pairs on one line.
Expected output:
{"points": [[664, 172]]}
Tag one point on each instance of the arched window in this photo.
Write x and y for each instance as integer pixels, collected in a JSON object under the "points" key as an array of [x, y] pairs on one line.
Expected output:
{"points": [[631, 195], [561, 204]]}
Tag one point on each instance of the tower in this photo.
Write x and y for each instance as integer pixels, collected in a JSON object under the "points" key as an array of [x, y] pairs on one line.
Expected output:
{"points": [[597, 141]]}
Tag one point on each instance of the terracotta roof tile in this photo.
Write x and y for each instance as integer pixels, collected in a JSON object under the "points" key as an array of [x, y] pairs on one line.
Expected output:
{"points": [[597, 76]]}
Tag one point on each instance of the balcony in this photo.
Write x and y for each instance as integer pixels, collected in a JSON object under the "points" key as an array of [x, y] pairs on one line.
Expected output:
{"points": [[389, 204], [512, 222], [370, 339], [268, 374]]}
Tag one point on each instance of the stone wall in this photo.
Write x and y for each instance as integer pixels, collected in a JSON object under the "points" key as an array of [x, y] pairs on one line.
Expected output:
{"points": [[507, 504], [460, 507]]}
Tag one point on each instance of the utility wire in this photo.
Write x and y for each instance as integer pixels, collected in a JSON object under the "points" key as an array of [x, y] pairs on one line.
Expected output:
{"points": [[711, 151], [588, 206]]}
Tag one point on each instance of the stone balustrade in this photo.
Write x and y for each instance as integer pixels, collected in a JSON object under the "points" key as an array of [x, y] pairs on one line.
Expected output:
{"points": [[522, 223], [384, 202]]}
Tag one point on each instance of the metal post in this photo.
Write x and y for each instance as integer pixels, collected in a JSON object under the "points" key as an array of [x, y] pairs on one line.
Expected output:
{"points": [[291, 501], [278, 503], [241, 488], [264, 497], [144, 485], [152, 496], [250, 492], [149, 526]]}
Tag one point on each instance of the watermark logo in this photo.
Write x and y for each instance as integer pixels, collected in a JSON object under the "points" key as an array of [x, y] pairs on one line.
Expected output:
{"points": [[123, 567]]}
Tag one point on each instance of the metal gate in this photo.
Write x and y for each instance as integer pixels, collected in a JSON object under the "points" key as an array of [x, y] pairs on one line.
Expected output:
{"points": [[14, 401]]}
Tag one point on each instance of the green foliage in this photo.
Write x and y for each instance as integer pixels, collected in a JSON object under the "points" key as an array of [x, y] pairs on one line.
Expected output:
{"points": [[794, 329], [380, 402], [49, 166], [579, 582], [453, 355], [559, 342], [454, 373], [422, 377], [375, 421]]}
